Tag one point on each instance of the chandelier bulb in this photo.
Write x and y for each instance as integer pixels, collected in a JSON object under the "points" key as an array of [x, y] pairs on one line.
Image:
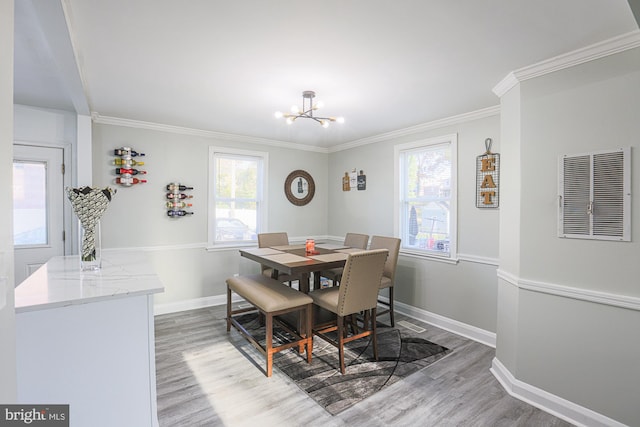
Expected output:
{"points": [[306, 112]]}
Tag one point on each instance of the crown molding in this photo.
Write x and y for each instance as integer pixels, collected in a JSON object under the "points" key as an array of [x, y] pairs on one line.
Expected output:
{"points": [[447, 121], [595, 51], [139, 124]]}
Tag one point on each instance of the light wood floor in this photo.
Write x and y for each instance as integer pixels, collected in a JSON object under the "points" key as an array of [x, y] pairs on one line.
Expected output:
{"points": [[206, 377]]}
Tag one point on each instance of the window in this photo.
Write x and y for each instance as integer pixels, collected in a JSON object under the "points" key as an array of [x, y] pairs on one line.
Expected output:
{"points": [[595, 196], [30, 203], [237, 193], [426, 219]]}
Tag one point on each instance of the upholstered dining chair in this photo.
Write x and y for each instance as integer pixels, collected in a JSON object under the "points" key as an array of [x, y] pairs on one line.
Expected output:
{"points": [[352, 240], [357, 293], [392, 244], [266, 240]]}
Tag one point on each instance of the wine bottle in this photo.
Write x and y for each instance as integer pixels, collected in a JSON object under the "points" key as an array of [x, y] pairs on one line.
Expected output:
{"points": [[174, 205], [127, 162], [122, 171], [179, 213], [175, 196], [175, 186], [126, 151], [129, 180]]}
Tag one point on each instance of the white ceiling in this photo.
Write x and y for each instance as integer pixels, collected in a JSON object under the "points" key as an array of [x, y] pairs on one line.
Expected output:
{"points": [[227, 66]]}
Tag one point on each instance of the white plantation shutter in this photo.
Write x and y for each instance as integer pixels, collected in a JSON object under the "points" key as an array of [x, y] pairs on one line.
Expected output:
{"points": [[595, 195], [576, 195]]}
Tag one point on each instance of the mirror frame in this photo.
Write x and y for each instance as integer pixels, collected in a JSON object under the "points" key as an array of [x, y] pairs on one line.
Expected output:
{"points": [[287, 187]]}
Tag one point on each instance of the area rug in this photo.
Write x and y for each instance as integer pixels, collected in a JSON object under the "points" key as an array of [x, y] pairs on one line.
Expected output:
{"points": [[400, 354]]}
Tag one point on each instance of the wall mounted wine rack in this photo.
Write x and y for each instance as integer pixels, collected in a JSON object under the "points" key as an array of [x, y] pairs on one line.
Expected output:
{"points": [[127, 167], [177, 200]]}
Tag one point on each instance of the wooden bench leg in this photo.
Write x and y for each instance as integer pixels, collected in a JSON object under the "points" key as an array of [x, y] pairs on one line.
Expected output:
{"points": [[309, 331], [269, 343]]}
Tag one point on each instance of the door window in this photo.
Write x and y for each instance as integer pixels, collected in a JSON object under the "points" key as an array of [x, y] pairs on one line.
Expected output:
{"points": [[30, 203]]}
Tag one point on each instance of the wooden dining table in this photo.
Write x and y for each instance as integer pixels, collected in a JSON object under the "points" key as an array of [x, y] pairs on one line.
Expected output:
{"points": [[295, 261]]}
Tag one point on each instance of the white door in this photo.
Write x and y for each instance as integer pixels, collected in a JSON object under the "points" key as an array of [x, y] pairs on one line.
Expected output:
{"points": [[38, 207]]}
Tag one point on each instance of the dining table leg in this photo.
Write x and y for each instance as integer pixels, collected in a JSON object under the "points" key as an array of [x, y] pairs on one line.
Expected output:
{"points": [[304, 283]]}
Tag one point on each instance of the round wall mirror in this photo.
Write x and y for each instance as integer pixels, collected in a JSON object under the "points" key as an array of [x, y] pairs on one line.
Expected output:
{"points": [[299, 187]]}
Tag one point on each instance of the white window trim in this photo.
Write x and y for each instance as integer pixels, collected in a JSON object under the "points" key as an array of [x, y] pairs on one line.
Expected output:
{"points": [[398, 177], [211, 217]]}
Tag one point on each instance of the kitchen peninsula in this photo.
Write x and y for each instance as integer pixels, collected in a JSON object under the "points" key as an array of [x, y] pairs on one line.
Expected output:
{"points": [[87, 339]]}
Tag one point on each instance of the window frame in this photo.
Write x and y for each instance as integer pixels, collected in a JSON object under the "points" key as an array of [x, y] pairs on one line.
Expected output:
{"points": [[450, 140], [261, 202]]}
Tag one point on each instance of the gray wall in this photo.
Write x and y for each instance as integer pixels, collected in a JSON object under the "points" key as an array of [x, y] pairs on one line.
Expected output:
{"points": [[137, 219], [568, 307], [464, 292], [7, 317]]}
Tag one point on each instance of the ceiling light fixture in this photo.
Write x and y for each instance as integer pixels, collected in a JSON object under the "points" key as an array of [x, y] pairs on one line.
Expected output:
{"points": [[307, 111]]}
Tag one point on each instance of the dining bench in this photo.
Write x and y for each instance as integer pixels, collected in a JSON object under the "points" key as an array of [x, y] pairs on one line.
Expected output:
{"points": [[271, 298]]}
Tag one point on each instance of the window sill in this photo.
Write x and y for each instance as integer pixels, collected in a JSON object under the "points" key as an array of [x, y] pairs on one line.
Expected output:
{"points": [[230, 246], [429, 256]]}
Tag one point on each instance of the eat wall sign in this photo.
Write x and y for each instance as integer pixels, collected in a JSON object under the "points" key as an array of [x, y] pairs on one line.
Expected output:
{"points": [[488, 178]]}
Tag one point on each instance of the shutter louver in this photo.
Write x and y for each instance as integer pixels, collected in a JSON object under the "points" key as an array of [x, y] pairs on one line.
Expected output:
{"points": [[595, 195], [608, 194], [575, 218]]}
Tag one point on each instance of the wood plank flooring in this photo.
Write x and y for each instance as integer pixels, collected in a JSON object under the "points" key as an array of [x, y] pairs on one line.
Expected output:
{"points": [[206, 377]]}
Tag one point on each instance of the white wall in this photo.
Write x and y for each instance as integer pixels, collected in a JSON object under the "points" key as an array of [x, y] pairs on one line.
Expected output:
{"points": [[578, 305], [7, 316], [137, 218], [464, 292]]}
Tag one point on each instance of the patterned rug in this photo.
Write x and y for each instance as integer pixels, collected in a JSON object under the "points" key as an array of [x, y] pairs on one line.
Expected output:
{"points": [[400, 353]]}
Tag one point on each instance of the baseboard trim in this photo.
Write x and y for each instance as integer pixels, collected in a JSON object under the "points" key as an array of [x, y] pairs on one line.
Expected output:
{"points": [[548, 402], [193, 304], [476, 334]]}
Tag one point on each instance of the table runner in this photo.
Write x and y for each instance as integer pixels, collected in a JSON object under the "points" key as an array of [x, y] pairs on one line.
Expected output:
{"points": [[287, 247], [285, 258], [330, 257]]}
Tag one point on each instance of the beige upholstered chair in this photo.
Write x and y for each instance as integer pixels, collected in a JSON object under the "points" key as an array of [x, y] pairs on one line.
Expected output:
{"points": [[352, 240], [392, 244], [357, 293], [266, 240]]}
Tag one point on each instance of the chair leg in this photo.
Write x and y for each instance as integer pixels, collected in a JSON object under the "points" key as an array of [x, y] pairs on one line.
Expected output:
{"points": [[228, 309], [375, 335], [340, 324], [391, 316]]}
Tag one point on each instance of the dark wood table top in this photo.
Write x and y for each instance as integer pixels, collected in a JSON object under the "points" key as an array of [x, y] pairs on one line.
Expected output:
{"points": [[277, 259]]}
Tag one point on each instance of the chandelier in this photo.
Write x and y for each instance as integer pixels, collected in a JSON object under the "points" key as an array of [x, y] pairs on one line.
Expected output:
{"points": [[308, 107]]}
